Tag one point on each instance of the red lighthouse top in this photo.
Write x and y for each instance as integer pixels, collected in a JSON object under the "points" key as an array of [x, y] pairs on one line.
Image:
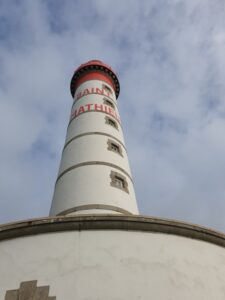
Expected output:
{"points": [[94, 69]]}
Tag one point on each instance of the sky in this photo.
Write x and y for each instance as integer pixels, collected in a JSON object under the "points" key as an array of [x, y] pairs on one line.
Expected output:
{"points": [[170, 59]]}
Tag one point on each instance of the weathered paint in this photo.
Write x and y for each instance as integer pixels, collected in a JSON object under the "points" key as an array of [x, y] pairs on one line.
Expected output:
{"points": [[115, 264]]}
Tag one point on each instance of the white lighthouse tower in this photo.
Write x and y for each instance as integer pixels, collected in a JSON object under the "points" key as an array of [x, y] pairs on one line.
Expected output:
{"points": [[95, 245], [94, 174]]}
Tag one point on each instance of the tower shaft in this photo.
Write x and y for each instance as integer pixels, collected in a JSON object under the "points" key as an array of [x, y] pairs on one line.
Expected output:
{"points": [[94, 174]]}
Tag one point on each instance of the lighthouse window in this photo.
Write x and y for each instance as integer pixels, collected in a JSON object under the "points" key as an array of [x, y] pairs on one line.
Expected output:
{"points": [[111, 122], [112, 146], [119, 181], [107, 102], [106, 88], [115, 147]]}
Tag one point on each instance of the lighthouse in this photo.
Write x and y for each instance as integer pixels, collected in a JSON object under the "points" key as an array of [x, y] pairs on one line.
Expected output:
{"points": [[94, 174], [95, 245]]}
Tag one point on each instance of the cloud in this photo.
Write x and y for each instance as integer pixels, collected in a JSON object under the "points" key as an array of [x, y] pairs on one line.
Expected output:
{"points": [[169, 56]]}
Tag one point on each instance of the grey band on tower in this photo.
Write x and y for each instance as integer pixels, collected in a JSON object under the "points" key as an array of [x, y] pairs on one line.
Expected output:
{"points": [[94, 174]]}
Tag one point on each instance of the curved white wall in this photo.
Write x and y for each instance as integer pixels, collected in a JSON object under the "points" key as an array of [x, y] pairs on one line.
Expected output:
{"points": [[92, 180], [79, 151], [93, 122], [115, 264]]}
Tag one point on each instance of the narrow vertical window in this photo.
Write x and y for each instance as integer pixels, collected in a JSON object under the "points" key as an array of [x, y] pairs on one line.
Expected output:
{"points": [[111, 122], [109, 103], [115, 147], [107, 88], [119, 181]]}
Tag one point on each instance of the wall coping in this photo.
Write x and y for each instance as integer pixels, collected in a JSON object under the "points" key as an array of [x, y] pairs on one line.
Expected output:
{"points": [[110, 222]]}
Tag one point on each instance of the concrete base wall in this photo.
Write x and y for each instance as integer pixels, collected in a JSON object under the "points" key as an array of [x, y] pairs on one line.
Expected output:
{"points": [[115, 264]]}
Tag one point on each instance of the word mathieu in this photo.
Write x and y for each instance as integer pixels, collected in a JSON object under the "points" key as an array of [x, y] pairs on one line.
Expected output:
{"points": [[94, 107]]}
